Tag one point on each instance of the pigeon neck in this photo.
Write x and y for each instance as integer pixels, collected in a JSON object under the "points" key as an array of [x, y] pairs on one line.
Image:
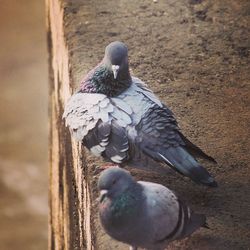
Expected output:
{"points": [[102, 81], [126, 205]]}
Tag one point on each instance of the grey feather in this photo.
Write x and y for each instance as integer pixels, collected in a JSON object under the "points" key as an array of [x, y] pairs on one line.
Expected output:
{"points": [[122, 105], [148, 126], [143, 214]]}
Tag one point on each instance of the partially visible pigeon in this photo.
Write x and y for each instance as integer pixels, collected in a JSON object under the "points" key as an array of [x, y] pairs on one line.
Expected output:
{"points": [[117, 117], [143, 214]]}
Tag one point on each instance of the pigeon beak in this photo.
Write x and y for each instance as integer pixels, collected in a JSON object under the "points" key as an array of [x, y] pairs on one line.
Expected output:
{"points": [[115, 69], [103, 194]]}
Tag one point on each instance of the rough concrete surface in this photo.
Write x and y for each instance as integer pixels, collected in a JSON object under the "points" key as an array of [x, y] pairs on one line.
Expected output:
{"points": [[195, 56]]}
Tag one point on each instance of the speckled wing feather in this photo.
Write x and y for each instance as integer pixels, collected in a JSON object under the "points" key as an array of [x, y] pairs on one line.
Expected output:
{"points": [[159, 138], [138, 128], [96, 121], [83, 111], [106, 125], [168, 217]]}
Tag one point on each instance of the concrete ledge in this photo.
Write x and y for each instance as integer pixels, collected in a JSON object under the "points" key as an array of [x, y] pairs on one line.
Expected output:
{"points": [[194, 55]]}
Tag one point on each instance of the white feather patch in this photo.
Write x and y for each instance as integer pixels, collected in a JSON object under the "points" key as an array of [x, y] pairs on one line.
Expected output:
{"points": [[97, 150], [117, 158], [165, 159], [104, 143]]}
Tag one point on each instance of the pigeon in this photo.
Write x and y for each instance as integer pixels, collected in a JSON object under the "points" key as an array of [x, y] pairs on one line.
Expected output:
{"points": [[116, 116], [143, 214]]}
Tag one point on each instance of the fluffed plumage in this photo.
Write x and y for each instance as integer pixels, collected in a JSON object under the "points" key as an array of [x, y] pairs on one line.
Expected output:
{"points": [[118, 117]]}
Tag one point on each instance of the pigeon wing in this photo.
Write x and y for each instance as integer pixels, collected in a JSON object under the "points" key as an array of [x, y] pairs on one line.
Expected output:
{"points": [[159, 137], [168, 216], [163, 212], [83, 111], [136, 127], [100, 123]]}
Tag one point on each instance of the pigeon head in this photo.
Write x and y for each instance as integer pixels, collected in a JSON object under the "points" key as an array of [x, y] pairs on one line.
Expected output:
{"points": [[116, 59], [113, 182], [111, 76]]}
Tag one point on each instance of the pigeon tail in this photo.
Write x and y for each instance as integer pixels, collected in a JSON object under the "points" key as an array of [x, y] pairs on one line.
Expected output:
{"points": [[180, 160], [192, 221], [195, 150], [195, 221]]}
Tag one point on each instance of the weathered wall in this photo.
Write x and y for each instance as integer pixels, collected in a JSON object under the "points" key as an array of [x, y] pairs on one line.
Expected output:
{"points": [[69, 191]]}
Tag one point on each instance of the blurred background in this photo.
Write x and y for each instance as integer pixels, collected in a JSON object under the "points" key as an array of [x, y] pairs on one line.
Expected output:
{"points": [[23, 126]]}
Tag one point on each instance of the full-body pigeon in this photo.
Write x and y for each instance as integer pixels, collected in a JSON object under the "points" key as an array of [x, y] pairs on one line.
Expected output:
{"points": [[143, 214], [117, 117]]}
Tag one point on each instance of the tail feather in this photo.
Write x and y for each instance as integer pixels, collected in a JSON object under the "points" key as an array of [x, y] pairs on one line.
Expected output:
{"points": [[192, 221], [179, 159], [195, 150], [195, 222]]}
